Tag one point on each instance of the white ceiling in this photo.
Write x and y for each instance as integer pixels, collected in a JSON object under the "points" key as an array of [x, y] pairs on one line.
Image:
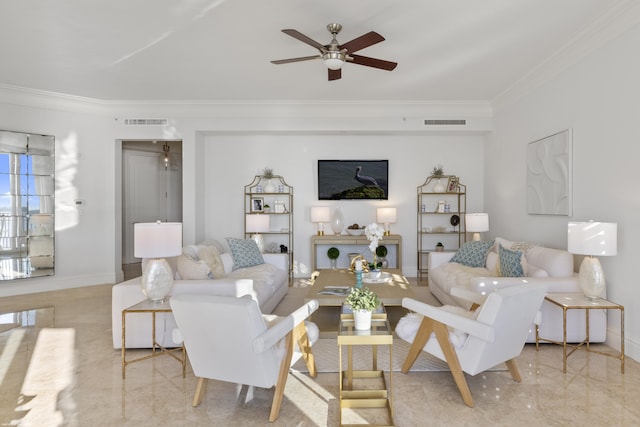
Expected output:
{"points": [[446, 50]]}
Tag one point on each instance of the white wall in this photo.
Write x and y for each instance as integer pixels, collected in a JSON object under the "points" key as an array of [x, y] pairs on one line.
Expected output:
{"points": [[598, 98], [233, 160], [84, 241]]}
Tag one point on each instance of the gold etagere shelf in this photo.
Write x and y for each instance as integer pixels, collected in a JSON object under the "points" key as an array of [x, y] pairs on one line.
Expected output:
{"points": [[441, 207], [273, 197]]}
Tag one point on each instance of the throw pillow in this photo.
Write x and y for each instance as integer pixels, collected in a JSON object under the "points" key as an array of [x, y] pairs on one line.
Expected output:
{"points": [[473, 254], [190, 269], [245, 253], [512, 263], [210, 255]]}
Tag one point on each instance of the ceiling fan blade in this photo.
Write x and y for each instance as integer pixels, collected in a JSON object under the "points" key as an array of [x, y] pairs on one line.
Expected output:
{"points": [[373, 62], [335, 74], [363, 41], [299, 36], [302, 58]]}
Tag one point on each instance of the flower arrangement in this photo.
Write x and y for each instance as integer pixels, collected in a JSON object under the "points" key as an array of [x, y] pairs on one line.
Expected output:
{"points": [[374, 233], [362, 299]]}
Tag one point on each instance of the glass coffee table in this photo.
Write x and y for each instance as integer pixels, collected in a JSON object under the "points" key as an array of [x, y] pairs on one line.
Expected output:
{"points": [[379, 334]]}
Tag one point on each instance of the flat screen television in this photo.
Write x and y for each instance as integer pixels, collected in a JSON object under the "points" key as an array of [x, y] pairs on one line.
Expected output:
{"points": [[353, 179]]}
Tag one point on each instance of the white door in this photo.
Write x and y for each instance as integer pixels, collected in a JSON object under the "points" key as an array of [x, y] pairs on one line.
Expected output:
{"points": [[151, 193]]}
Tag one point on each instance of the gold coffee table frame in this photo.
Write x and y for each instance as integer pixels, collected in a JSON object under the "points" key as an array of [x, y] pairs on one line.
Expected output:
{"points": [[379, 334], [148, 306], [576, 301]]}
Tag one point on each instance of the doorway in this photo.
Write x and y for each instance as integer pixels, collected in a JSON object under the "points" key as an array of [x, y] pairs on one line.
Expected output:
{"points": [[151, 190]]}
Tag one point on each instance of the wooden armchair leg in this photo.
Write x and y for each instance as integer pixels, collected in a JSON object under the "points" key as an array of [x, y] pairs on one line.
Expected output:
{"points": [[442, 334], [304, 344], [513, 369], [423, 334], [200, 389], [282, 379]]}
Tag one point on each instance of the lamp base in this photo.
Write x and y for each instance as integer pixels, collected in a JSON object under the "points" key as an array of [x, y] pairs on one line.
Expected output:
{"points": [[476, 237], [157, 279], [591, 277], [259, 241]]}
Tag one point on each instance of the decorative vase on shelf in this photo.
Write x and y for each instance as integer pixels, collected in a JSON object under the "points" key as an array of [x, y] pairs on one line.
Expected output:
{"points": [[439, 187], [269, 187], [337, 221]]}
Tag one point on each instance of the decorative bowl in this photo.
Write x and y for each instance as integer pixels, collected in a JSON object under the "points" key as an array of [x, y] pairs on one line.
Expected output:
{"points": [[355, 231]]}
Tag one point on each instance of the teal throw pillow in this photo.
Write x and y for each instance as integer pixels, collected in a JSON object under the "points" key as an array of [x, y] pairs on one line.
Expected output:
{"points": [[473, 254], [510, 262], [245, 253]]}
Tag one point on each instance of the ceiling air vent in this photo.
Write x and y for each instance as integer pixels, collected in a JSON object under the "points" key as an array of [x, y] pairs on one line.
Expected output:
{"points": [[146, 122], [446, 122]]}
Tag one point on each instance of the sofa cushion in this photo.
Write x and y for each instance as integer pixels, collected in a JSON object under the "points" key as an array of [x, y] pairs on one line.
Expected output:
{"points": [[556, 262], [192, 269], [245, 253], [211, 257], [512, 263], [473, 254], [451, 274]]}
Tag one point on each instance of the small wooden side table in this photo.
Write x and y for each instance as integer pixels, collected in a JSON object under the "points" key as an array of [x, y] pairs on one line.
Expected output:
{"points": [[569, 301], [379, 334], [148, 306]]}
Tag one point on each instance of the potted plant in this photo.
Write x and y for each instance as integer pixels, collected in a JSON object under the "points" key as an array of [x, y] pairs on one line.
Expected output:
{"points": [[333, 253], [438, 172], [439, 247], [266, 208], [363, 302], [381, 252], [267, 174]]}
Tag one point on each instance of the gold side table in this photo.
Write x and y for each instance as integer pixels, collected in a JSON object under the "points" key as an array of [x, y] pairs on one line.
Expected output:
{"points": [[575, 301], [148, 306], [379, 334]]}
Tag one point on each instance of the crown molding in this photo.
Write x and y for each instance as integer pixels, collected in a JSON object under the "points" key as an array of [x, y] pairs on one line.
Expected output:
{"points": [[217, 108], [619, 19]]}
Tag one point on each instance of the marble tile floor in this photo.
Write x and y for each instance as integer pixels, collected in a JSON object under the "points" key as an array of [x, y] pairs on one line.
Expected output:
{"points": [[72, 377]]}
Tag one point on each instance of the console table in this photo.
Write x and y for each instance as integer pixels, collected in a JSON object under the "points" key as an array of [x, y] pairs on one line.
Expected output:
{"points": [[347, 243]]}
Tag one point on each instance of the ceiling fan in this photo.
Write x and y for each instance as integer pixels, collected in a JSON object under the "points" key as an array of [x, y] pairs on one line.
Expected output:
{"points": [[335, 55]]}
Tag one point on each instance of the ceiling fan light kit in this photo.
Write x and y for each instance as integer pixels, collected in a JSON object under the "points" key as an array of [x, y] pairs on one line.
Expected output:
{"points": [[334, 55]]}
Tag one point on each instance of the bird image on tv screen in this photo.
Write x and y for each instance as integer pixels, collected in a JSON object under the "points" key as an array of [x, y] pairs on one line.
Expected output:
{"points": [[353, 179]]}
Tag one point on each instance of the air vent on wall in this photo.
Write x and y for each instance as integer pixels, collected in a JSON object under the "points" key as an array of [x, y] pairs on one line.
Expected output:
{"points": [[446, 122], [145, 122]]}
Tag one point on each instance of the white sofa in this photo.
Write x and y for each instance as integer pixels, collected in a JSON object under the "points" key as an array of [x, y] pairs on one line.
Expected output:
{"points": [[453, 283], [270, 285]]}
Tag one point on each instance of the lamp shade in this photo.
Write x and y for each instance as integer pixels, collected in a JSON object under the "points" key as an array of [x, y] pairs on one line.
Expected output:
{"points": [[157, 239], [257, 223], [477, 222], [386, 215], [320, 214], [592, 238]]}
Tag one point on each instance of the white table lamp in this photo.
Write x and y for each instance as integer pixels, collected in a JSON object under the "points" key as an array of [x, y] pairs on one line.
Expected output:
{"points": [[154, 241], [476, 223], [592, 239], [257, 224], [386, 216], [320, 215]]}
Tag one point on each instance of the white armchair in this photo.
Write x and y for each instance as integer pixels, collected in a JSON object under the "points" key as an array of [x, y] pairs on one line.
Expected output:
{"points": [[228, 339], [476, 341]]}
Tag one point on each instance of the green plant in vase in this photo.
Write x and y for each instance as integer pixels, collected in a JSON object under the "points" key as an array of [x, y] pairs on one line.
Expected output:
{"points": [[363, 302], [333, 253], [362, 299]]}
